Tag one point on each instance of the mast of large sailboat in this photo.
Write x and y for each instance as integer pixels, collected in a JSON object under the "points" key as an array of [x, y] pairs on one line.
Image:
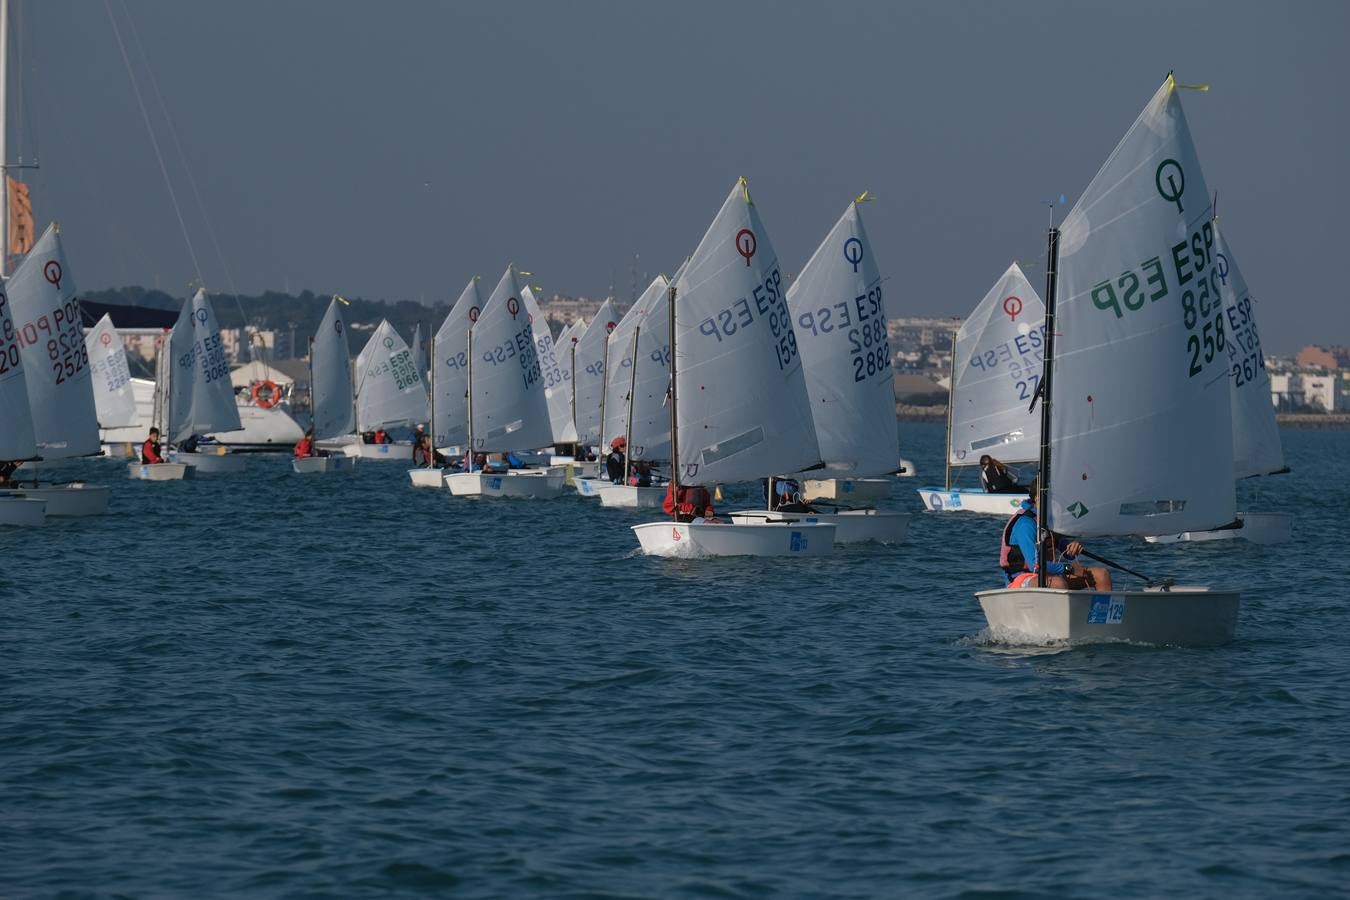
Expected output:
{"points": [[632, 389], [4, 134], [1044, 538], [674, 414]]}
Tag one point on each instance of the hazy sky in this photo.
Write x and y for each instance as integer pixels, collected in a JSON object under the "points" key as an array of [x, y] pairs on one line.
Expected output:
{"points": [[393, 149]]}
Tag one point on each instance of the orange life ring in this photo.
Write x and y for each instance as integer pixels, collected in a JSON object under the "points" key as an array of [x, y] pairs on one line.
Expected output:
{"points": [[273, 394]]}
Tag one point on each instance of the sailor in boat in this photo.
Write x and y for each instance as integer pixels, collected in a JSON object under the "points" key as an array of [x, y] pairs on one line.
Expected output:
{"points": [[693, 503], [787, 496], [380, 436], [150, 449], [7, 473], [997, 478], [641, 474], [305, 446], [615, 458], [497, 466], [1018, 556]]}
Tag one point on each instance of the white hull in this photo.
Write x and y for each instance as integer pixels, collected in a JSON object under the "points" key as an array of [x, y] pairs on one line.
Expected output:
{"points": [[22, 512], [523, 485], [695, 539], [399, 452], [74, 499], [852, 526], [428, 478], [626, 496], [1188, 616], [1259, 528], [165, 471], [939, 499], [591, 487], [211, 463], [852, 490], [318, 465], [906, 469]]}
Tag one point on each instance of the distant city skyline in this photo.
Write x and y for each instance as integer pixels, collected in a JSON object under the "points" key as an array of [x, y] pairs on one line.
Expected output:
{"points": [[395, 151]]}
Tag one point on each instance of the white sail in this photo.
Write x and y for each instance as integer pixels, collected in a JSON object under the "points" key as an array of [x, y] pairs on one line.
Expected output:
{"points": [[1256, 437], [1141, 434], [743, 409], [556, 381], [174, 376], [419, 351], [389, 389], [510, 411], [203, 397], [114, 399], [588, 379], [452, 368], [562, 408], [839, 316], [16, 420], [649, 437], [48, 325], [332, 373], [998, 357]]}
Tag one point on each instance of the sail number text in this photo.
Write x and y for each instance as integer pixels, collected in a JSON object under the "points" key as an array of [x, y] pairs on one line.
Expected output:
{"points": [[862, 321], [1201, 306], [60, 329], [766, 301], [519, 347]]}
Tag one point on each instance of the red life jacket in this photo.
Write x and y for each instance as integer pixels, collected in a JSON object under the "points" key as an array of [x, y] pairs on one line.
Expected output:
{"points": [[304, 447], [150, 452], [692, 501]]}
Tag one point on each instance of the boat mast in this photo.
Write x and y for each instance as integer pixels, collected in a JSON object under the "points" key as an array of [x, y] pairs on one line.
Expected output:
{"points": [[674, 415], [468, 461], [1044, 537], [632, 389], [604, 389], [951, 395], [4, 146], [431, 411], [576, 435], [313, 406]]}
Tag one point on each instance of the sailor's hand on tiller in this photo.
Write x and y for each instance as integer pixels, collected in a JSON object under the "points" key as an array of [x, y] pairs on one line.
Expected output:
{"points": [[1073, 549]]}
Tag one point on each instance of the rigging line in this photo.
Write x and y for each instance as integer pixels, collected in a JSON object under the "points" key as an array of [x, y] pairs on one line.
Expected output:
{"points": [[140, 101], [182, 158]]}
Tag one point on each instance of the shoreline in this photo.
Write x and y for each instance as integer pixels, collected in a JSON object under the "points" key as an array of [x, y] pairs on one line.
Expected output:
{"points": [[1338, 420]]}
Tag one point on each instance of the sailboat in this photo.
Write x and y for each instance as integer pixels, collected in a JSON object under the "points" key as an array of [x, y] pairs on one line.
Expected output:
{"points": [[589, 362], [203, 399], [114, 399], [507, 409], [449, 383], [390, 392], [839, 319], [996, 366], [17, 441], [636, 389], [1257, 450], [1135, 410], [738, 406], [557, 384], [50, 340], [330, 389], [192, 391], [559, 395]]}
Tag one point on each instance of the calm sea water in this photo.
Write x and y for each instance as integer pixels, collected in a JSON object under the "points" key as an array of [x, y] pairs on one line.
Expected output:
{"points": [[278, 686]]}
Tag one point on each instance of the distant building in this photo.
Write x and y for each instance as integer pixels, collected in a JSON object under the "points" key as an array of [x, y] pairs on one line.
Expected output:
{"points": [[1315, 357], [1303, 391]]}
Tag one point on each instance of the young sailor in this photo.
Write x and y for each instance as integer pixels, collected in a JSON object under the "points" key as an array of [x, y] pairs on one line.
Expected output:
{"points": [[305, 446], [692, 502], [150, 449], [1019, 559]]}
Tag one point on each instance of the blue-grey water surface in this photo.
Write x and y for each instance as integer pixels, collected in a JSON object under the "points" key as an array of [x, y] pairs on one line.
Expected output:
{"points": [[284, 686]]}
